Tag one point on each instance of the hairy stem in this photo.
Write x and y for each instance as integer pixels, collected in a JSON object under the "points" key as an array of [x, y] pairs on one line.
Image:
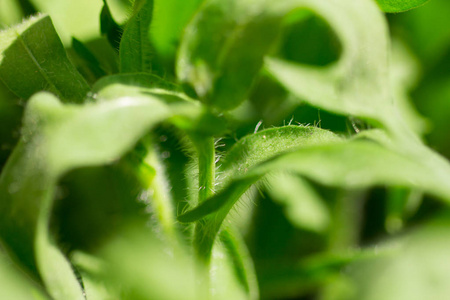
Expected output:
{"points": [[206, 167]]}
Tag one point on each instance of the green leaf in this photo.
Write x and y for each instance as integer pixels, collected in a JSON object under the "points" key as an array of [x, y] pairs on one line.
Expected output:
{"points": [[313, 272], [99, 134], [301, 204], [89, 58], [109, 27], [416, 269], [428, 33], [246, 154], [122, 85], [171, 275], [357, 84], [10, 13], [10, 119], [266, 144], [15, 285], [90, 268], [243, 265], [135, 48], [223, 48], [33, 51], [392, 6], [72, 18], [222, 69], [404, 73], [168, 24], [350, 164]]}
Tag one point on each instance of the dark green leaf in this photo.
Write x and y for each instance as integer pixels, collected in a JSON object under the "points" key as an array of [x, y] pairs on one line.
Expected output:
{"points": [[88, 57], [109, 27], [135, 48], [33, 59]]}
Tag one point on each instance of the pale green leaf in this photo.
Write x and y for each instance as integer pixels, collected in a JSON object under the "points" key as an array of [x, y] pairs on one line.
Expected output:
{"points": [[416, 269], [16, 285], [223, 47], [33, 51], [99, 134], [122, 85], [72, 18], [301, 204], [10, 13], [357, 84], [225, 44], [404, 74], [143, 268], [241, 260]]}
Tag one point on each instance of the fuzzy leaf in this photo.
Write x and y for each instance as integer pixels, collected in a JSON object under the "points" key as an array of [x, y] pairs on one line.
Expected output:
{"points": [[349, 164], [99, 134], [33, 50], [225, 44], [357, 84], [266, 144], [392, 6], [223, 47], [135, 47]]}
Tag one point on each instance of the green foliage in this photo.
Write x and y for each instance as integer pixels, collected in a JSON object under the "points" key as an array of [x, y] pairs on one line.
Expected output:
{"points": [[137, 165], [399, 5], [42, 61], [135, 47]]}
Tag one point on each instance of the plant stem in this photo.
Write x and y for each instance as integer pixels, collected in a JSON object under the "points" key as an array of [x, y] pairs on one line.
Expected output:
{"points": [[343, 235], [161, 198], [146, 164], [347, 218], [206, 167]]}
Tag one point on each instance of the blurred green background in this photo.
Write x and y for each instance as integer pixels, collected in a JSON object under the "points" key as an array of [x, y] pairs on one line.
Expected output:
{"points": [[379, 244]]}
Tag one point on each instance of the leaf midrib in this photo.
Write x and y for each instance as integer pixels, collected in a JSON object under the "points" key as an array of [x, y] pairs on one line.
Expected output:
{"points": [[37, 64]]}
